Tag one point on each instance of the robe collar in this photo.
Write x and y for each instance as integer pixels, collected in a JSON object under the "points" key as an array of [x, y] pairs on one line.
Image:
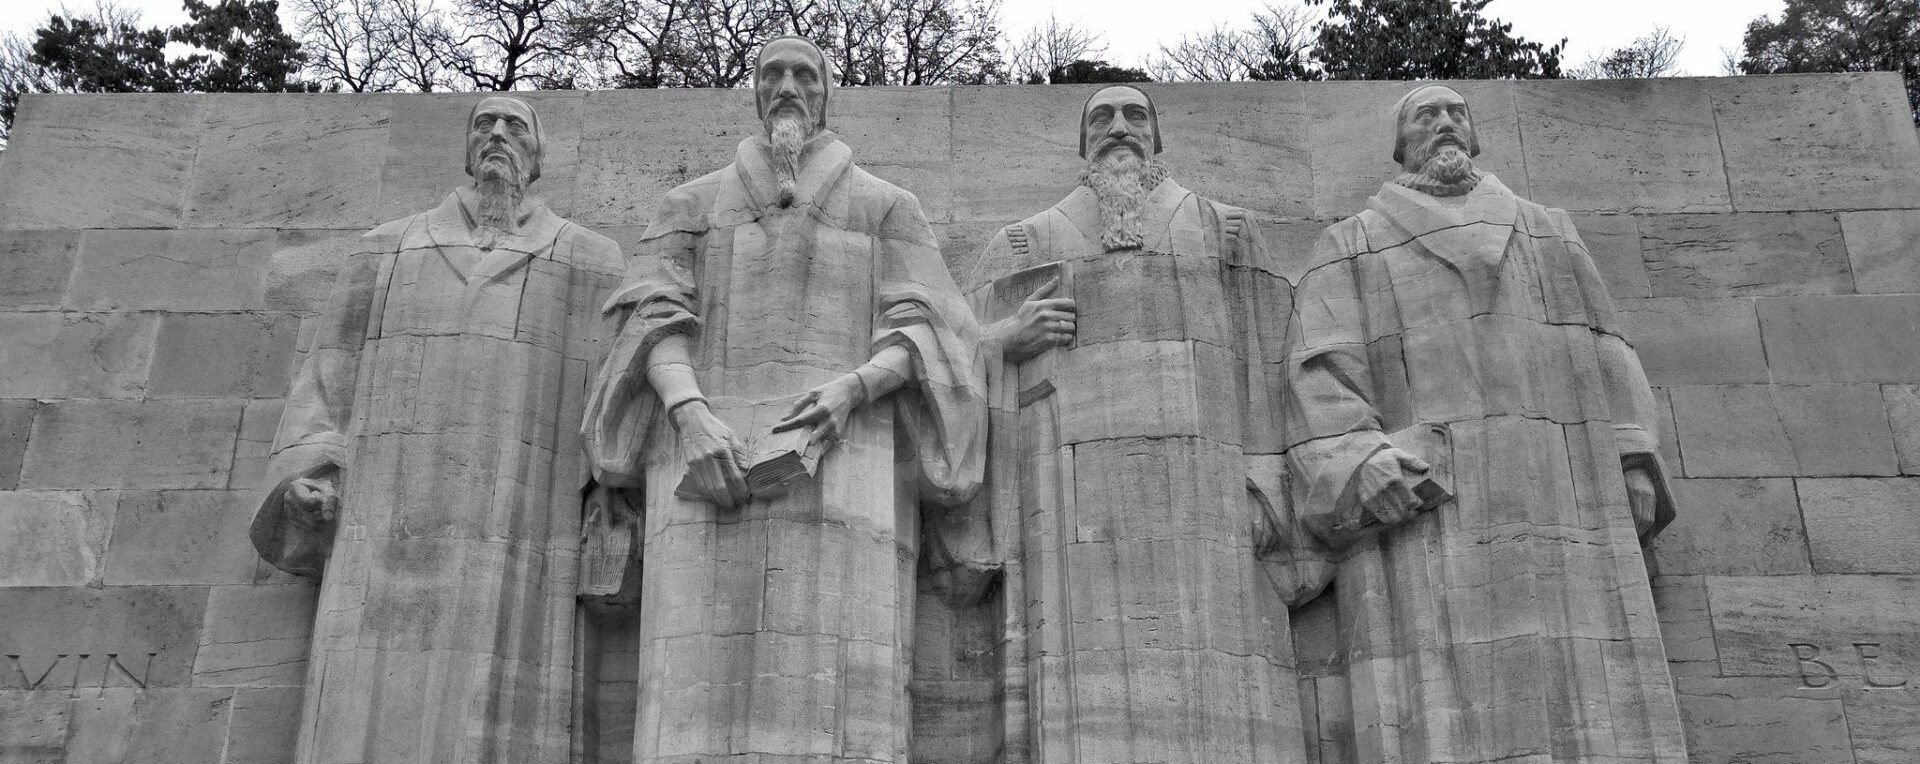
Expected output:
{"points": [[455, 223], [1082, 209], [823, 160], [1464, 231]]}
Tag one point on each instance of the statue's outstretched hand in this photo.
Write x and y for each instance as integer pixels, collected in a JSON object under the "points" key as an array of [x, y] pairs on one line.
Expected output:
{"points": [[313, 501], [825, 410], [1385, 485], [714, 455], [1040, 323]]}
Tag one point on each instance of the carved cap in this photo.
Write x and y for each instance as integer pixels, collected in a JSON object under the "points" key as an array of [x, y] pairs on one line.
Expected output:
{"points": [[1400, 118], [533, 118], [1153, 115], [826, 76]]}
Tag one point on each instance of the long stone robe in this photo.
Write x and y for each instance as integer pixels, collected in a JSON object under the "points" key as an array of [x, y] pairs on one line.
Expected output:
{"points": [[779, 631], [1515, 625], [1140, 626], [444, 380]]}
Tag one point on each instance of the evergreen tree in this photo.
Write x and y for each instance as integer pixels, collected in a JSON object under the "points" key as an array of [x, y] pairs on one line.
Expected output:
{"points": [[1426, 39]]}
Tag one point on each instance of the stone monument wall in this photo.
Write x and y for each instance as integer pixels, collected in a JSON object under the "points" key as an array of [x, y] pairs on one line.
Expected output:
{"points": [[159, 254]]}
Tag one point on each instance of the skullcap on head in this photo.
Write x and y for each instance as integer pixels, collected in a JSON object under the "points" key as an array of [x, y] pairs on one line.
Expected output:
{"points": [[1153, 116], [533, 120], [826, 76], [1400, 117]]}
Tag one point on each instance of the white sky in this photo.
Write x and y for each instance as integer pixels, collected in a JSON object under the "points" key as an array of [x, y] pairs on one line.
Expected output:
{"points": [[1134, 28]]}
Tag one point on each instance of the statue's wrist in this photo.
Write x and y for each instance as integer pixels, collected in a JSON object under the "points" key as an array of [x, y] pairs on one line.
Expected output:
{"points": [[683, 410]]}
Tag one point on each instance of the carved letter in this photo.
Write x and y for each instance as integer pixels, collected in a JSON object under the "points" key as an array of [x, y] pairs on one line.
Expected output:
{"points": [[106, 673], [32, 684], [1870, 652], [1809, 655]]}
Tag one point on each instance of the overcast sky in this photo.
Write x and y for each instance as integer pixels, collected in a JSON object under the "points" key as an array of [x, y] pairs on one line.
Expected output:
{"points": [[1132, 34]]}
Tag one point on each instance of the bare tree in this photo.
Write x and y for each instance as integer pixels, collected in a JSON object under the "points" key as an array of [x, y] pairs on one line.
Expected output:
{"points": [[348, 42], [1655, 55], [1051, 46], [639, 40], [1276, 46], [505, 44]]}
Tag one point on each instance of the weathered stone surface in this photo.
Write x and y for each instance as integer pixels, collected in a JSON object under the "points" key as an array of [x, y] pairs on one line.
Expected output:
{"points": [[1745, 254], [266, 162], [1351, 132], [1581, 155], [33, 726], [1247, 148], [90, 162], [301, 273], [1735, 527], [1614, 243], [54, 538], [1866, 338], [998, 176], [1863, 525], [223, 355], [1880, 722], [1797, 142], [217, 269], [34, 266], [1685, 341], [181, 537], [1759, 620], [266, 725], [129, 726], [75, 355], [117, 636], [16, 425], [1762, 430], [258, 424], [134, 444], [1903, 411], [1884, 249], [1685, 624], [636, 145], [1762, 721], [256, 636]]}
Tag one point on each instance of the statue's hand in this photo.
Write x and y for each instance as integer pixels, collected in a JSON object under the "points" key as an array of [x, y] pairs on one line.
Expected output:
{"points": [[714, 455], [313, 501], [825, 410], [1642, 497], [1385, 482], [1040, 323]]}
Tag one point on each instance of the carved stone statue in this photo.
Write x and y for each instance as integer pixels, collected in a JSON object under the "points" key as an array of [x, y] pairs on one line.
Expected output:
{"points": [[1132, 328], [1514, 623], [426, 469], [788, 291]]}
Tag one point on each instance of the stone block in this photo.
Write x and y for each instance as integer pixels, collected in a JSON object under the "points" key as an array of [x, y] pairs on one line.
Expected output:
{"points": [[266, 726], [232, 355], [1745, 254], [136, 444], [302, 270], [75, 355], [1780, 430], [1243, 145], [1614, 243], [1289, 243], [35, 726], [636, 145], [84, 161], [34, 266], [1863, 525], [182, 537], [1761, 721], [902, 135], [1622, 146], [1884, 248], [54, 538], [1825, 142], [1351, 134], [117, 636], [425, 154], [961, 245], [259, 423], [266, 161], [1882, 722], [171, 270], [122, 726], [1000, 177], [1821, 631], [1734, 527], [1686, 625], [16, 425], [256, 636], [1686, 341], [1862, 338], [1903, 411]]}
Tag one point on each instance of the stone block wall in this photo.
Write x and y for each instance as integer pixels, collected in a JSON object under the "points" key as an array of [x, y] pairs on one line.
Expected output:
{"points": [[160, 254]]}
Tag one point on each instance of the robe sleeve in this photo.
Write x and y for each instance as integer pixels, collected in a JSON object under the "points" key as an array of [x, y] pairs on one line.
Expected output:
{"points": [[312, 438], [657, 299]]}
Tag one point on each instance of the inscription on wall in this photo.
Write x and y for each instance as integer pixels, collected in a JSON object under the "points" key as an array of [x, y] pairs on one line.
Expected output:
{"points": [[76, 670], [1822, 667]]}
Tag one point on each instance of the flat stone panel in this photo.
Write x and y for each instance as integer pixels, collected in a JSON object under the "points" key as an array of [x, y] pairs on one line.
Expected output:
{"points": [[1764, 721], [124, 726], [1863, 338], [1769, 430], [1686, 626], [84, 161], [304, 266], [152, 632], [258, 425], [1882, 722], [1758, 620], [1863, 525], [171, 270], [636, 145], [135, 444], [35, 731], [34, 266], [54, 538], [1007, 169], [1903, 411], [903, 136], [1614, 243], [1687, 341], [75, 355], [1244, 146], [256, 636], [1352, 136], [1884, 248], [16, 425], [266, 726], [1735, 527], [1622, 146], [182, 537], [1818, 142], [425, 154], [961, 245], [1745, 254], [266, 161], [238, 355]]}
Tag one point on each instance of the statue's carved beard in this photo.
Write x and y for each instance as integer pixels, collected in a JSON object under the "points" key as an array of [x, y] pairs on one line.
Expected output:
{"points": [[502, 185], [788, 137], [1445, 170], [1121, 180]]}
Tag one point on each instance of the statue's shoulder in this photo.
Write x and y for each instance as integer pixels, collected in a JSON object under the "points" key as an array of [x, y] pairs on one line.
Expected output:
{"points": [[866, 185], [391, 236], [689, 206], [587, 248]]}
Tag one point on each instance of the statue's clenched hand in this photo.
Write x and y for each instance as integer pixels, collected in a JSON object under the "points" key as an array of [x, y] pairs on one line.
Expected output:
{"points": [[313, 501], [1385, 485], [714, 455], [1642, 497], [1040, 323]]}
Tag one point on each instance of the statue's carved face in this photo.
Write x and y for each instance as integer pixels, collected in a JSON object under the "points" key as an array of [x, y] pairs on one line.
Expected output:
{"points": [[790, 82], [1434, 119], [1118, 118], [501, 138]]}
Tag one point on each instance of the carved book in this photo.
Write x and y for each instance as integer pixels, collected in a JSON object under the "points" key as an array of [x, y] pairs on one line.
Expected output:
{"points": [[773, 460]]}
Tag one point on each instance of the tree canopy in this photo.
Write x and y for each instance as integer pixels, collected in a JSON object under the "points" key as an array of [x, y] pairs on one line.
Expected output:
{"points": [[1839, 36], [1426, 39]]}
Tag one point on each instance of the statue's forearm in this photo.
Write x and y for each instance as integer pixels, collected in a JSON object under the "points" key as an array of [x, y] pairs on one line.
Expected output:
{"points": [[888, 370], [670, 371]]}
